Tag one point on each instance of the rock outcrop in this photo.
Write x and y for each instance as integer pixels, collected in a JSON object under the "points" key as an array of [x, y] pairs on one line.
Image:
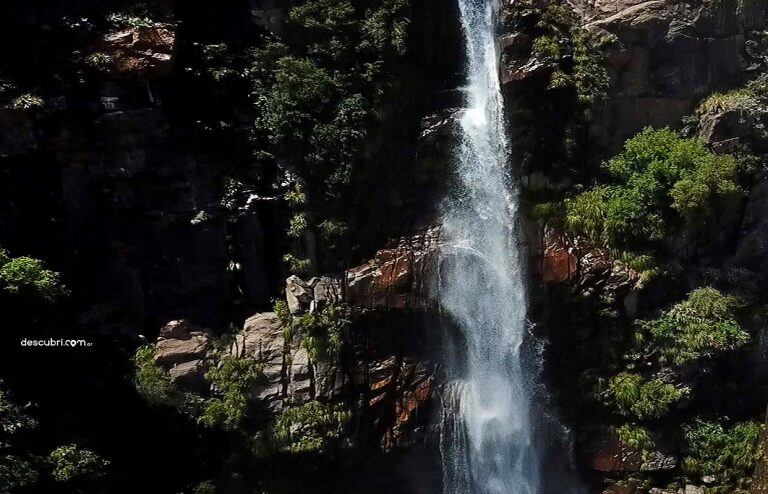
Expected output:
{"points": [[401, 276]]}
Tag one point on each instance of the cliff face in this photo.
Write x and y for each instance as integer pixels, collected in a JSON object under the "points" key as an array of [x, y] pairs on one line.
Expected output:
{"points": [[135, 159]]}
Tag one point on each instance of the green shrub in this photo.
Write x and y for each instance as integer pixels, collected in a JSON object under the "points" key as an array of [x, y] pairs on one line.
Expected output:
{"points": [[232, 379], [656, 175], [713, 182], [701, 326], [386, 28], [641, 399], [636, 437], [308, 428], [547, 47], [296, 265], [16, 473], [26, 275], [332, 230], [152, 381], [590, 75], [205, 487], [322, 333], [72, 462], [298, 225], [12, 417], [26, 102], [726, 453], [280, 308], [585, 213]]}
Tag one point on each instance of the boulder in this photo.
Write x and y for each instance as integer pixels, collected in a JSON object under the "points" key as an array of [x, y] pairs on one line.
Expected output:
{"points": [[179, 342], [298, 294], [189, 375], [262, 340]]}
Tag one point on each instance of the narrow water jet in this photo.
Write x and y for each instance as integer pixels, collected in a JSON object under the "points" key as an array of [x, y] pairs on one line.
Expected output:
{"points": [[486, 440]]}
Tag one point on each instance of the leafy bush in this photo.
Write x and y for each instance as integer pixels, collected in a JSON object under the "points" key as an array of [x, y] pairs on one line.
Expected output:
{"points": [[657, 175], [636, 437], [16, 473], [308, 428], [26, 102], [12, 417], [298, 225], [296, 265], [726, 453], [205, 487], [27, 275], [636, 397], [150, 380], [546, 47], [72, 462], [281, 310], [232, 379], [701, 326], [322, 333]]}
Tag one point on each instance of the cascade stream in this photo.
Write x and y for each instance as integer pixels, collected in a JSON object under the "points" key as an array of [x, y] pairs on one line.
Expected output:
{"points": [[486, 438]]}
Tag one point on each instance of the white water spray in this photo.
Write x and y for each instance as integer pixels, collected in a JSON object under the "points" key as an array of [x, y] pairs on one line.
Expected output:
{"points": [[486, 441]]}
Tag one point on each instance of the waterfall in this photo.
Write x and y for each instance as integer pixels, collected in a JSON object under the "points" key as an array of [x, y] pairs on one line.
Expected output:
{"points": [[486, 428]]}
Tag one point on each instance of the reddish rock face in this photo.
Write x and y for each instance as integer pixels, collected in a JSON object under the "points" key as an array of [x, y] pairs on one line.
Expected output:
{"points": [[558, 263], [398, 392], [144, 51], [398, 277]]}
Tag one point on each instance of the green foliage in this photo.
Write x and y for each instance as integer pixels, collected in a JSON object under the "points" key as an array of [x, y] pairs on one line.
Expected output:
{"points": [[322, 333], [72, 462], [16, 469], [331, 230], [296, 265], [636, 437], [99, 61], [546, 47], [590, 76], [641, 399], [308, 428], [16, 473], [26, 102], [205, 487], [151, 380], [296, 196], [385, 29], [12, 417], [25, 275], [298, 225], [657, 175], [744, 100], [280, 308], [585, 213], [549, 212], [700, 326], [726, 453], [714, 182], [577, 61], [232, 379]]}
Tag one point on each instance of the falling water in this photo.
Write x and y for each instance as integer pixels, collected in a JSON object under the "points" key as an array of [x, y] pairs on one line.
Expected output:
{"points": [[486, 440]]}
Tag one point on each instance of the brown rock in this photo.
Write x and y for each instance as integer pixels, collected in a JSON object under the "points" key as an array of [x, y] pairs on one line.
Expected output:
{"points": [[558, 263], [398, 277], [180, 341], [189, 375], [143, 50]]}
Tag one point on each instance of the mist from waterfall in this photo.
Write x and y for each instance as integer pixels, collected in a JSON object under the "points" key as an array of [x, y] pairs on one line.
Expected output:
{"points": [[486, 428]]}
